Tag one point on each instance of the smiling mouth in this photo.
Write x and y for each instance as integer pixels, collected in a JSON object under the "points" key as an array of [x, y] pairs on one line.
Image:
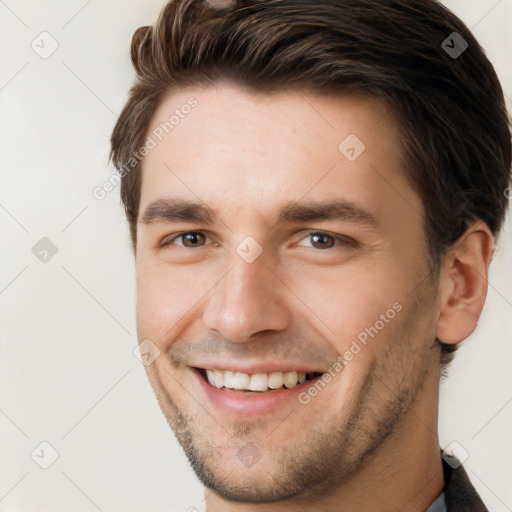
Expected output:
{"points": [[257, 383]]}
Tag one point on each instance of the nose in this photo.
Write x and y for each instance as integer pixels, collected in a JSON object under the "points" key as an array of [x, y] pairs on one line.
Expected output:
{"points": [[249, 300]]}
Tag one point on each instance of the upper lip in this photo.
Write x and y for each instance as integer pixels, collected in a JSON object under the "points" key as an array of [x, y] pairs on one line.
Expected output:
{"points": [[257, 367]]}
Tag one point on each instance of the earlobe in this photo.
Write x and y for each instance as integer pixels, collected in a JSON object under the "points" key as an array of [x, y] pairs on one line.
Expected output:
{"points": [[463, 284]]}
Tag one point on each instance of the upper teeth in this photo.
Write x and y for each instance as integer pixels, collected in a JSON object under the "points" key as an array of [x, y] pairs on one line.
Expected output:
{"points": [[255, 382]]}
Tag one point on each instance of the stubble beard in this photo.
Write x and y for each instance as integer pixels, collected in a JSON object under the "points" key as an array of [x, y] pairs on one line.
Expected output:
{"points": [[331, 450]]}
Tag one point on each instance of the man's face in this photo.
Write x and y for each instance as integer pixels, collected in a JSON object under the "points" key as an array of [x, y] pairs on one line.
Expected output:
{"points": [[271, 284]]}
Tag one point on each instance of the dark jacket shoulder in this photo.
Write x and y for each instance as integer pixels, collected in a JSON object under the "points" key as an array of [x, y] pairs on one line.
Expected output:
{"points": [[460, 494]]}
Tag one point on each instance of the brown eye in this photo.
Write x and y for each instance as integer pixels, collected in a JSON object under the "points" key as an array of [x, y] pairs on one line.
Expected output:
{"points": [[190, 239], [322, 240], [319, 240]]}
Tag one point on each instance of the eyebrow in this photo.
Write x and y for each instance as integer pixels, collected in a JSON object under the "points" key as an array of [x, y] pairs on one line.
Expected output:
{"points": [[177, 210], [180, 210]]}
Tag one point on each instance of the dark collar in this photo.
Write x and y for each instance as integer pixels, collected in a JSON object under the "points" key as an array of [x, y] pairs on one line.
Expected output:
{"points": [[459, 492]]}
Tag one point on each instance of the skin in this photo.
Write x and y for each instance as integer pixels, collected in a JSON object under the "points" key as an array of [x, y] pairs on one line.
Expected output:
{"points": [[368, 440]]}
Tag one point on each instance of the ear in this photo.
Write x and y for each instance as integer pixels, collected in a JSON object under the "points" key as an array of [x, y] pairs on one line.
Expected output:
{"points": [[463, 283]]}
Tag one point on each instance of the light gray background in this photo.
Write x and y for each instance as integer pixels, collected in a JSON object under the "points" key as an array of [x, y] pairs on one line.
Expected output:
{"points": [[68, 373]]}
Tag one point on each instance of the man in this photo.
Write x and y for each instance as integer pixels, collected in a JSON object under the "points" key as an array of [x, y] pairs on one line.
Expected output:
{"points": [[313, 191]]}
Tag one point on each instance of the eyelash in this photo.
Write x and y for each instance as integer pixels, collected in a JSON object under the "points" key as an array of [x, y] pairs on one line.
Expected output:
{"points": [[343, 240]]}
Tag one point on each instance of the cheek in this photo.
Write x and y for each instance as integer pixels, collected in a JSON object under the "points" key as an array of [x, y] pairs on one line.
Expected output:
{"points": [[165, 298], [352, 299]]}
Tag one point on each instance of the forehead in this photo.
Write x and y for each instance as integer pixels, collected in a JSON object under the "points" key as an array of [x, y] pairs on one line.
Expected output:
{"points": [[241, 151]]}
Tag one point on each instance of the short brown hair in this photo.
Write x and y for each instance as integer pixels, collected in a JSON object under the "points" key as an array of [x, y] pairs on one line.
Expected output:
{"points": [[453, 123]]}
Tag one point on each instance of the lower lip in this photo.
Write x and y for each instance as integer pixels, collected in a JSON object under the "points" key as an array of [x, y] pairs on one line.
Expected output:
{"points": [[251, 405]]}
